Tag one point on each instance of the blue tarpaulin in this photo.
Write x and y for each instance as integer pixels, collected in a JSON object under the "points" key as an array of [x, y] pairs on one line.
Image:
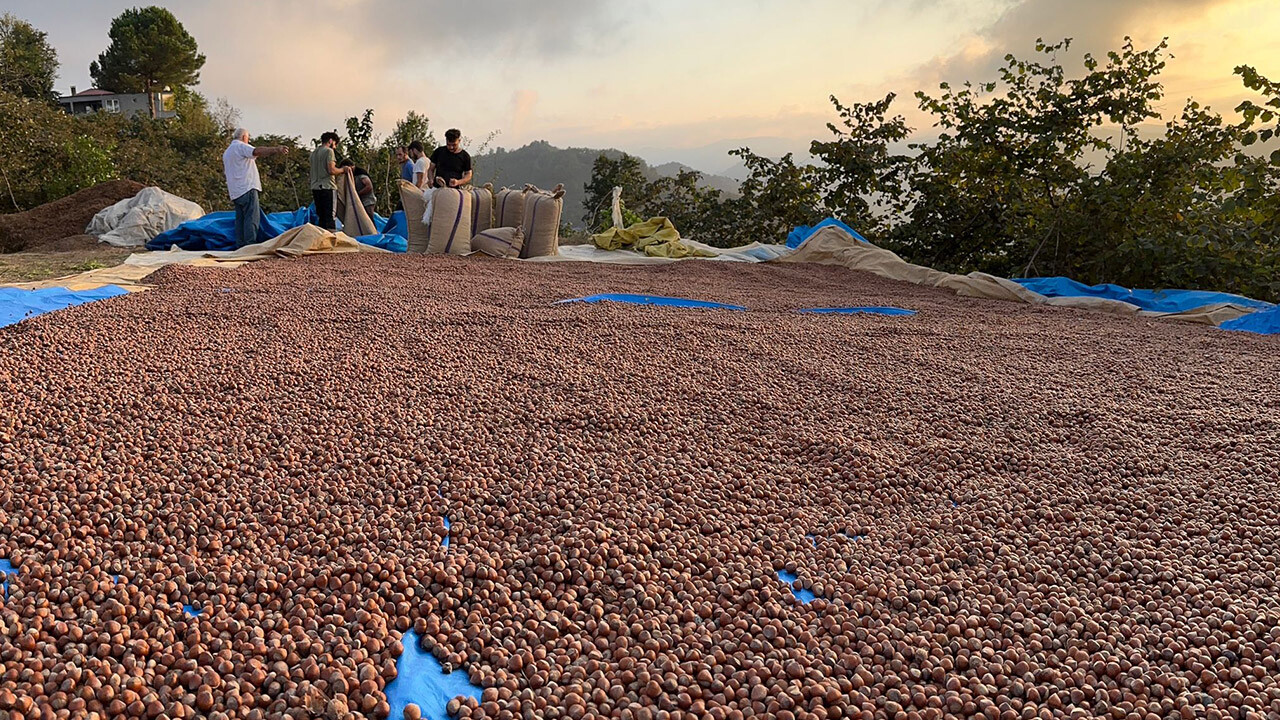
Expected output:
{"points": [[651, 300], [802, 233], [859, 311], [421, 680], [394, 243], [1170, 301], [1262, 322], [803, 595], [216, 231], [396, 225], [17, 304]]}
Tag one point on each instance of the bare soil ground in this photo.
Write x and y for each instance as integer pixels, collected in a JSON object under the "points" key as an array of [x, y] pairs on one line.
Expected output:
{"points": [[66, 257]]}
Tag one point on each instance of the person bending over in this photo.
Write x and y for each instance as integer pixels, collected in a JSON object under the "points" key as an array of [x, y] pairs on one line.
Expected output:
{"points": [[364, 186], [324, 182], [450, 165]]}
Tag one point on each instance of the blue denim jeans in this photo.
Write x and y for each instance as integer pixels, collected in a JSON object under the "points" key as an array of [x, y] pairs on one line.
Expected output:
{"points": [[248, 215]]}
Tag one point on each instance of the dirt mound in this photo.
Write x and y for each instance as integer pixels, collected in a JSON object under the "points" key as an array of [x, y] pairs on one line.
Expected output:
{"points": [[62, 218]]}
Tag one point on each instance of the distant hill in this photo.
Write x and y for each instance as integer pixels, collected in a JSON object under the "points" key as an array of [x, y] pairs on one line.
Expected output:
{"points": [[546, 166]]}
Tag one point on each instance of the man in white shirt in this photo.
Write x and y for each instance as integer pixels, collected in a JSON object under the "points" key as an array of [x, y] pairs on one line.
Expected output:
{"points": [[240, 163], [420, 163]]}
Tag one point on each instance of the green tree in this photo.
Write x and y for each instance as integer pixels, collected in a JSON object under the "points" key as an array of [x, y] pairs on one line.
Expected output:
{"points": [[606, 174], [149, 50], [859, 172], [993, 191], [777, 196], [28, 63], [359, 141], [182, 155], [684, 201], [414, 126], [46, 153]]}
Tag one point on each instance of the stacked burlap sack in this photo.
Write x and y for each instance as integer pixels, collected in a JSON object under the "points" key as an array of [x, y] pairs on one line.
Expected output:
{"points": [[512, 223]]}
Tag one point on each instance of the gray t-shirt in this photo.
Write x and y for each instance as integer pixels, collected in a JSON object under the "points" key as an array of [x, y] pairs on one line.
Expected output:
{"points": [[372, 197], [321, 158]]}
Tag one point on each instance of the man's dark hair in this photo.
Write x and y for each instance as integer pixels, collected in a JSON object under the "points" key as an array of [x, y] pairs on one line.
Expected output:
{"points": [[347, 162], [452, 134], [415, 145], [328, 136]]}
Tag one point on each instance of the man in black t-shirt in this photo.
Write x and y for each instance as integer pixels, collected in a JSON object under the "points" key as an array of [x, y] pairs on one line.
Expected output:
{"points": [[450, 165]]}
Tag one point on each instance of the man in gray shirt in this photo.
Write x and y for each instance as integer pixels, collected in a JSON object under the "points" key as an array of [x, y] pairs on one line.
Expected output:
{"points": [[324, 178]]}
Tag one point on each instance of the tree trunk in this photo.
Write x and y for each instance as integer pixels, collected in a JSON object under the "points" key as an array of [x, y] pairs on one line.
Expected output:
{"points": [[151, 100]]}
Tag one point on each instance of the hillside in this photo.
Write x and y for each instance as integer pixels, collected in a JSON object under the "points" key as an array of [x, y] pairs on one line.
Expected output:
{"points": [[546, 166]]}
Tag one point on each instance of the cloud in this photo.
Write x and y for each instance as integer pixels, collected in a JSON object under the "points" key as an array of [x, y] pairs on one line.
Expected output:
{"points": [[449, 32], [668, 75], [1094, 26]]}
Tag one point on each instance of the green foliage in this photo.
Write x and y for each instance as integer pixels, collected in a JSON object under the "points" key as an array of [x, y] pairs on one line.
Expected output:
{"points": [[414, 126], [285, 178], [857, 167], [149, 50], [182, 155], [358, 143], [687, 203], [606, 174], [1010, 186], [46, 154], [777, 196], [1010, 159], [28, 63], [1038, 172], [86, 164]]}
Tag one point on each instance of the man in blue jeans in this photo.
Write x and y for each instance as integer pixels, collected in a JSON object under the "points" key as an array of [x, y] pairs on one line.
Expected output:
{"points": [[240, 163]]}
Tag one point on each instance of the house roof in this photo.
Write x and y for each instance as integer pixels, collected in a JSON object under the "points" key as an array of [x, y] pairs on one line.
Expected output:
{"points": [[93, 92]]}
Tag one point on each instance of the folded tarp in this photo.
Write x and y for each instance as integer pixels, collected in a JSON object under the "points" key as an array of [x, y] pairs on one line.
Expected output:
{"points": [[655, 237], [833, 245], [17, 305], [802, 232], [1161, 301], [753, 253]]}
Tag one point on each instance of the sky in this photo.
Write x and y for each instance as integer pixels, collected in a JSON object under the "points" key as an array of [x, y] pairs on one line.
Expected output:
{"points": [[669, 80]]}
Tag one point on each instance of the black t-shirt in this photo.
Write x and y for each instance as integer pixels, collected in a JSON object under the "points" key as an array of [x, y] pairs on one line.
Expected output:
{"points": [[450, 166]]}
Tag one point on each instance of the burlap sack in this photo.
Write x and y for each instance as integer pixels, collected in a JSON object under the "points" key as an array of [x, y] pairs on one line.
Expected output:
{"points": [[450, 231], [414, 205], [481, 208], [508, 207], [355, 219], [499, 242], [542, 211]]}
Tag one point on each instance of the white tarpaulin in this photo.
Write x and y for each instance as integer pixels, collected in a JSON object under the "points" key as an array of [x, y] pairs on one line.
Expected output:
{"points": [[132, 222], [753, 253]]}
